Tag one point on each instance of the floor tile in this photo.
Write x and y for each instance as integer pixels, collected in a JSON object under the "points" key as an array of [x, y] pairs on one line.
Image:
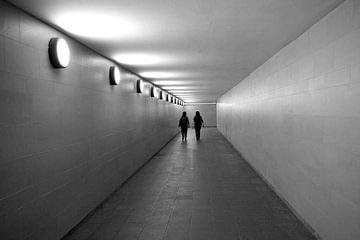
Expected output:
{"points": [[193, 190]]}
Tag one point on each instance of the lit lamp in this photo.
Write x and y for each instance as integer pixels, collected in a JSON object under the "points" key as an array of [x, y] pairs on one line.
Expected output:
{"points": [[153, 92], [114, 75], [139, 86], [59, 53], [162, 95]]}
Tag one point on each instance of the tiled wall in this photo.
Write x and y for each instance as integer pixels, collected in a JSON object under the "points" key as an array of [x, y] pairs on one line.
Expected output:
{"points": [[207, 112], [296, 119], [67, 138]]}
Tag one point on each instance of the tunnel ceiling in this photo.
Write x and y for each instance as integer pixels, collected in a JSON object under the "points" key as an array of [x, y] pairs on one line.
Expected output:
{"points": [[197, 49]]}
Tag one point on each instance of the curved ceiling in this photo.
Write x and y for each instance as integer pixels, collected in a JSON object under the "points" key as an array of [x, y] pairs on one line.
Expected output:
{"points": [[197, 49]]}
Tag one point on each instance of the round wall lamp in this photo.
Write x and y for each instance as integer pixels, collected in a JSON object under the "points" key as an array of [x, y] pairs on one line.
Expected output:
{"points": [[114, 75], [139, 86], [153, 92], [59, 53], [162, 95]]}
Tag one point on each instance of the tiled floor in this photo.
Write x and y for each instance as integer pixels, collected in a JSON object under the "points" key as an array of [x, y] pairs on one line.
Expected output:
{"points": [[195, 190]]}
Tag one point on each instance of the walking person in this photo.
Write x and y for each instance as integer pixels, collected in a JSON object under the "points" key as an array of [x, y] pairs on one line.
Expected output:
{"points": [[198, 122], [184, 125]]}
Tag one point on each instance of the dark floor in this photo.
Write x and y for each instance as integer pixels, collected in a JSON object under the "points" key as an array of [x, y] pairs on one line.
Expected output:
{"points": [[195, 190]]}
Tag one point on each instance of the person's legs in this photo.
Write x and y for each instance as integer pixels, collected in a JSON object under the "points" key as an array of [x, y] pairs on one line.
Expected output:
{"points": [[197, 133], [183, 134]]}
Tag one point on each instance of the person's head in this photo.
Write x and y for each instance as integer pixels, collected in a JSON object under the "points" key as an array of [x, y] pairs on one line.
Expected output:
{"points": [[197, 113], [184, 113]]}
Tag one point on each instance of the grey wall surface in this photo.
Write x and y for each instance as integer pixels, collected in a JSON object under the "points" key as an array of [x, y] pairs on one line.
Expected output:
{"points": [[67, 138], [207, 111], [296, 119]]}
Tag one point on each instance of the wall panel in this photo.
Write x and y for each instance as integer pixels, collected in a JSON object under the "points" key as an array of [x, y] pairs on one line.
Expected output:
{"points": [[296, 119], [67, 138]]}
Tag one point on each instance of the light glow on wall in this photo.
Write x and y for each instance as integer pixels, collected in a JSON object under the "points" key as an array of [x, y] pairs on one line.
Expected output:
{"points": [[139, 59], [59, 53], [159, 74], [183, 91], [96, 25], [176, 87], [168, 82]]}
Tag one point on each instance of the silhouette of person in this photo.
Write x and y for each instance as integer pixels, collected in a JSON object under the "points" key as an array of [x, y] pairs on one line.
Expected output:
{"points": [[184, 125], [198, 122]]}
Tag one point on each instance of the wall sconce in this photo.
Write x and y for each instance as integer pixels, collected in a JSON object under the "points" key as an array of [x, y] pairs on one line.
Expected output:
{"points": [[162, 95], [59, 53], [114, 75], [139, 86], [153, 92]]}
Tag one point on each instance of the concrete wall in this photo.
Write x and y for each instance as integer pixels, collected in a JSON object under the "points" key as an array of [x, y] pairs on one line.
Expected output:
{"points": [[207, 111], [296, 119], [67, 138]]}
